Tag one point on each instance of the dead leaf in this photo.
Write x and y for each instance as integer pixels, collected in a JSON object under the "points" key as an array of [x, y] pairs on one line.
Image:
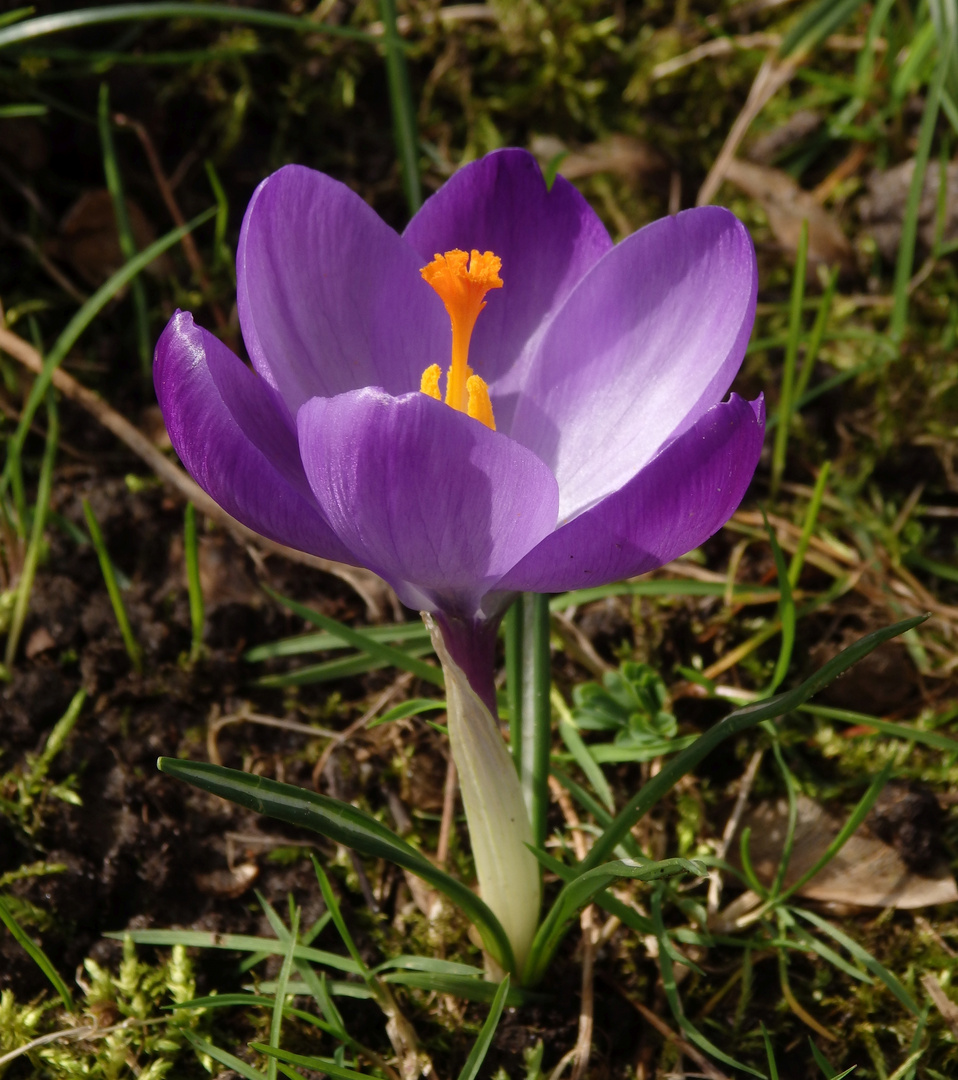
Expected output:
{"points": [[24, 140], [228, 883], [40, 641], [866, 872], [883, 208], [787, 205], [89, 241], [624, 155], [909, 817]]}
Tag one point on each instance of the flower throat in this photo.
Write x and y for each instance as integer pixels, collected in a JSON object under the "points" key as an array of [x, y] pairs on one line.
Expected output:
{"points": [[462, 281]]}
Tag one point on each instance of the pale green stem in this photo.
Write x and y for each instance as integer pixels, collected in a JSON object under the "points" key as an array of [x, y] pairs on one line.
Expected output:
{"points": [[499, 827]]}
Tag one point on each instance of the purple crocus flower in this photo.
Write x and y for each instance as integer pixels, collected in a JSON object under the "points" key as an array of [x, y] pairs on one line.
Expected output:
{"points": [[587, 440], [605, 367]]}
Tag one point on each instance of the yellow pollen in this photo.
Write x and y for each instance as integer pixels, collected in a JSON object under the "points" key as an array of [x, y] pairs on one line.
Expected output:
{"points": [[430, 381], [479, 407], [462, 282]]}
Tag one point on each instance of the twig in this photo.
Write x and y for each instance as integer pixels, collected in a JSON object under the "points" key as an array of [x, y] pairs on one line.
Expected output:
{"points": [[724, 46], [673, 1037], [341, 737], [583, 1044], [448, 812], [578, 647], [563, 1062], [86, 1031], [942, 1002], [771, 77], [370, 588], [166, 192], [245, 717], [731, 827], [50, 268]]}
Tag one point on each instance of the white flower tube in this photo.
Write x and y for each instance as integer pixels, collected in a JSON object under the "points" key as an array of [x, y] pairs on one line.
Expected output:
{"points": [[499, 826]]}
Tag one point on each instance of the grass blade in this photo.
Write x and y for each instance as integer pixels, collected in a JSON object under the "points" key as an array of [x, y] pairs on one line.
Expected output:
{"points": [[358, 640], [885, 727], [581, 890], [484, 1040], [671, 989], [855, 819], [32, 557], [82, 319], [113, 588], [581, 754], [816, 24], [808, 526], [191, 557], [276, 1021], [36, 954], [341, 668], [332, 906], [326, 1065], [909, 229], [816, 336], [401, 103], [346, 825], [70, 20], [411, 633], [786, 402], [863, 957], [735, 722], [786, 611], [770, 1054], [224, 1057], [203, 939], [114, 185]]}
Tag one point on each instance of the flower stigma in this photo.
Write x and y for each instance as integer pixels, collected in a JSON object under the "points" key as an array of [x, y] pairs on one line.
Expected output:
{"points": [[462, 281]]}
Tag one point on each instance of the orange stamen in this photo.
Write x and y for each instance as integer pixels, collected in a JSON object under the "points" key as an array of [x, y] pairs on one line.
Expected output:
{"points": [[462, 282]]}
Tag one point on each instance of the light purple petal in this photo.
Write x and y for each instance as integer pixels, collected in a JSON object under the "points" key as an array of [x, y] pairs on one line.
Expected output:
{"points": [[674, 504], [235, 438], [330, 298], [547, 241], [650, 339], [433, 501]]}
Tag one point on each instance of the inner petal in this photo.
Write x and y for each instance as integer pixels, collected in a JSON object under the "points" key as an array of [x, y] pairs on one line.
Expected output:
{"points": [[650, 339]]}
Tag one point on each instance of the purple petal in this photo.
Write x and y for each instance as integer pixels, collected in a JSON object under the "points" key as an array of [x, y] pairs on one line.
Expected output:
{"points": [[547, 241], [431, 500], [651, 338], [674, 504], [330, 298], [235, 438]]}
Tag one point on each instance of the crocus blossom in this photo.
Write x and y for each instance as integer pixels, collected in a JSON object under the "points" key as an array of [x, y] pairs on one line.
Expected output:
{"points": [[582, 437]]}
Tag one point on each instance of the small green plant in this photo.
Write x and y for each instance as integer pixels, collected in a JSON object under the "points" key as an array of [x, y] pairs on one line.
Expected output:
{"points": [[632, 704], [26, 789], [122, 1030]]}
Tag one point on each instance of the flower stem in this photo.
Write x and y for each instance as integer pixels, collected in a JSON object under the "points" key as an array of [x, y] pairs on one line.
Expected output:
{"points": [[499, 827], [528, 685]]}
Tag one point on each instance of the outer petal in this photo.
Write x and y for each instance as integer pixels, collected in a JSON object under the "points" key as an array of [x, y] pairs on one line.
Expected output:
{"points": [[649, 340], [329, 297], [236, 439], [675, 503], [430, 499], [547, 241]]}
